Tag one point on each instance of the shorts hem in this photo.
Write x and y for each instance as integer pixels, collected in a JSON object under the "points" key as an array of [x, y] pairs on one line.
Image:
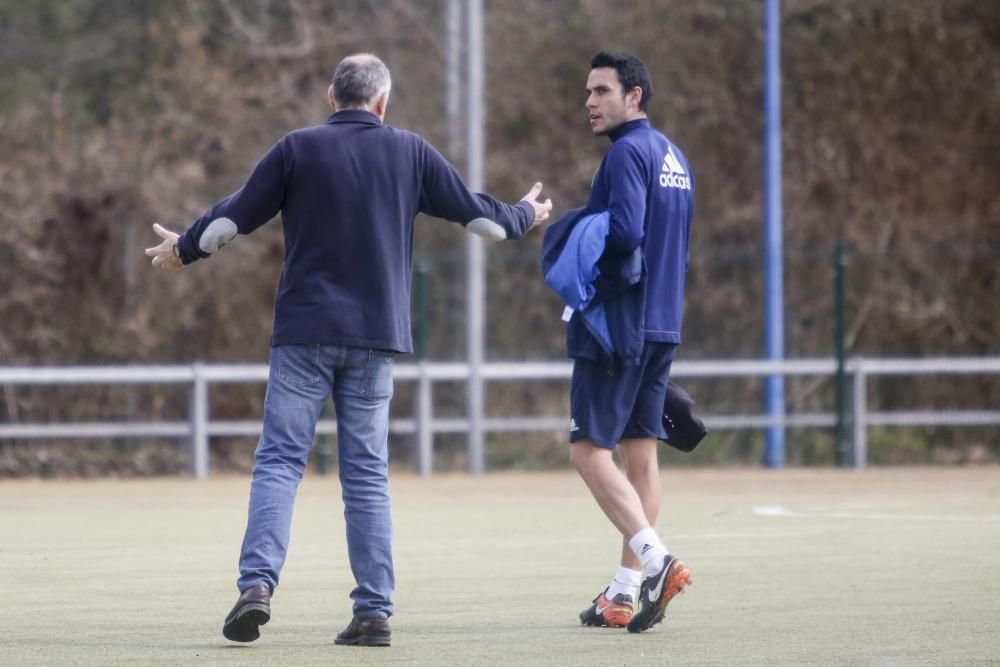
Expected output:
{"points": [[576, 436], [645, 434]]}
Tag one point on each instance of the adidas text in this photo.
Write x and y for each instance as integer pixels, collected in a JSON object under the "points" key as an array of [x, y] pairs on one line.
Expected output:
{"points": [[675, 181], [672, 174]]}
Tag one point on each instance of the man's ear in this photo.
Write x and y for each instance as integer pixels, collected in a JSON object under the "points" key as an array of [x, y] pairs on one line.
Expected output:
{"points": [[381, 104], [329, 98], [636, 96]]}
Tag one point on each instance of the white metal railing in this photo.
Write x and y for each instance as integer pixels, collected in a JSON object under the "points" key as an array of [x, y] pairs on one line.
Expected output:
{"points": [[200, 427]]}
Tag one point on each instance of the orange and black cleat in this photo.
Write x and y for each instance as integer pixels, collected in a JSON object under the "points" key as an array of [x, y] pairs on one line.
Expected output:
{"points": [[657, 590], [605, 613]]}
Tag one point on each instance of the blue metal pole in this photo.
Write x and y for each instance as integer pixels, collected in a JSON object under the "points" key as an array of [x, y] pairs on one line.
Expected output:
{"points": [[774, 450]]}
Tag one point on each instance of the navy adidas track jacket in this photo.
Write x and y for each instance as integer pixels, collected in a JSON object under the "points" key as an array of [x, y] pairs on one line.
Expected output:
{"points": [[645, 183], [348, 192]]}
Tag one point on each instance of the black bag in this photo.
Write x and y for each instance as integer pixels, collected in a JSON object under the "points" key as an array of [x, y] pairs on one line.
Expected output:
{"points": [[684, 429]]}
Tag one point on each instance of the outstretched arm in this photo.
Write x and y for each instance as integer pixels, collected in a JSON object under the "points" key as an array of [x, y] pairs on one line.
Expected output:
{"points": [[240, 213], [493, 232], [444, 195]]}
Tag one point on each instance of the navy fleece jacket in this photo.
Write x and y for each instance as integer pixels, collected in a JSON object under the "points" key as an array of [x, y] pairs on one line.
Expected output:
{"points": [[348, 192]]}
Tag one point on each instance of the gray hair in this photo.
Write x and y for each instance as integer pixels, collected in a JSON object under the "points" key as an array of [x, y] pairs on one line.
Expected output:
{"points": [[359, 81]]}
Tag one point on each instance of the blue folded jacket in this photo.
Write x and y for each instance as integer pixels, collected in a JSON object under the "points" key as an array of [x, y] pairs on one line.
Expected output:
{"points": [[605, 289]]}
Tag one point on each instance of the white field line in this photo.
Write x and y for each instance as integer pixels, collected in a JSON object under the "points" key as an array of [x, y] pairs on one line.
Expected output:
{"points": [[782, 512]]}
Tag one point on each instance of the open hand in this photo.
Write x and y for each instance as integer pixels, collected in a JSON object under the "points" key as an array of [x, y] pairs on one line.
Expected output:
{"points": [[541, 208], [163, 254]]}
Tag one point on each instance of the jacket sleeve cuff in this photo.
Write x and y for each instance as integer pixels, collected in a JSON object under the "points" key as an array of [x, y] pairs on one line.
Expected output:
{"points": [[529, 219], [188, 250]]}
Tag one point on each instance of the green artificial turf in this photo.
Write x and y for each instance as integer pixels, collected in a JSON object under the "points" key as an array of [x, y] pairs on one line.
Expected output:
{"points": [[878, 567]]}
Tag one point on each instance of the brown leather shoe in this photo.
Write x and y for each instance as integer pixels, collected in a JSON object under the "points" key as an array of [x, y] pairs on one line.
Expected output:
{"points": [[365, 632], [252, 610]]}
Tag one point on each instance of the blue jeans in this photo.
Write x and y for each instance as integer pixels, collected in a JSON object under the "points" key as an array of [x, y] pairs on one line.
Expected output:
{"points": [[299, 380]]}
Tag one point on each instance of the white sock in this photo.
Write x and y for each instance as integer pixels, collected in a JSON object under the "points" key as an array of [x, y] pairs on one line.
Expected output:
{"points": [[648, 548], [626, 581]]}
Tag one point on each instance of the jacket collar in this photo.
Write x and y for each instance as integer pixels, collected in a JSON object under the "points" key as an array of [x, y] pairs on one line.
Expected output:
{"points": [[625, 128], [354, 116]]}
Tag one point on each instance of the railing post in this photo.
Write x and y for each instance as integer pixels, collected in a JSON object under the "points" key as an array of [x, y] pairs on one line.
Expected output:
{"points": [[840, 347], [860, 414], [422, 411], [424, 417], [199, 423]]}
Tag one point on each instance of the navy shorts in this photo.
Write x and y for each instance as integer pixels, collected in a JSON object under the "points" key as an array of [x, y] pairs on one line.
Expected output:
{"points": [[611, 401]]}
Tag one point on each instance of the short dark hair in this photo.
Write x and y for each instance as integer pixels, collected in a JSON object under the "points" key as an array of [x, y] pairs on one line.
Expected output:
{"points": [[631, 73]]}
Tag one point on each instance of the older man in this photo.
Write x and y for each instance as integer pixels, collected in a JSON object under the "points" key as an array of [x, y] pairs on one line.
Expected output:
{"points": [[348, 192]]}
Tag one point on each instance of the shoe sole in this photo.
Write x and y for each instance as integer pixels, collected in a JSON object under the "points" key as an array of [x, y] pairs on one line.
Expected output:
{"points": [[364, 640], [678, 578], [600, 622], [246, 626]]}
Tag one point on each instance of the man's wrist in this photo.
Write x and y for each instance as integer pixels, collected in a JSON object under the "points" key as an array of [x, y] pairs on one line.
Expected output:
{"points": [[177, 250]]}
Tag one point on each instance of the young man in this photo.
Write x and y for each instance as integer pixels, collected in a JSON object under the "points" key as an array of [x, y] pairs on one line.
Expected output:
{"points": [[644, 188], [348, 192]]}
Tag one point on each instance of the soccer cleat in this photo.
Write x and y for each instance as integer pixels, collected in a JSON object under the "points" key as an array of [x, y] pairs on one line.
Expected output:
{"points": [[252, 610], [606, 613], [656, 592]]}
